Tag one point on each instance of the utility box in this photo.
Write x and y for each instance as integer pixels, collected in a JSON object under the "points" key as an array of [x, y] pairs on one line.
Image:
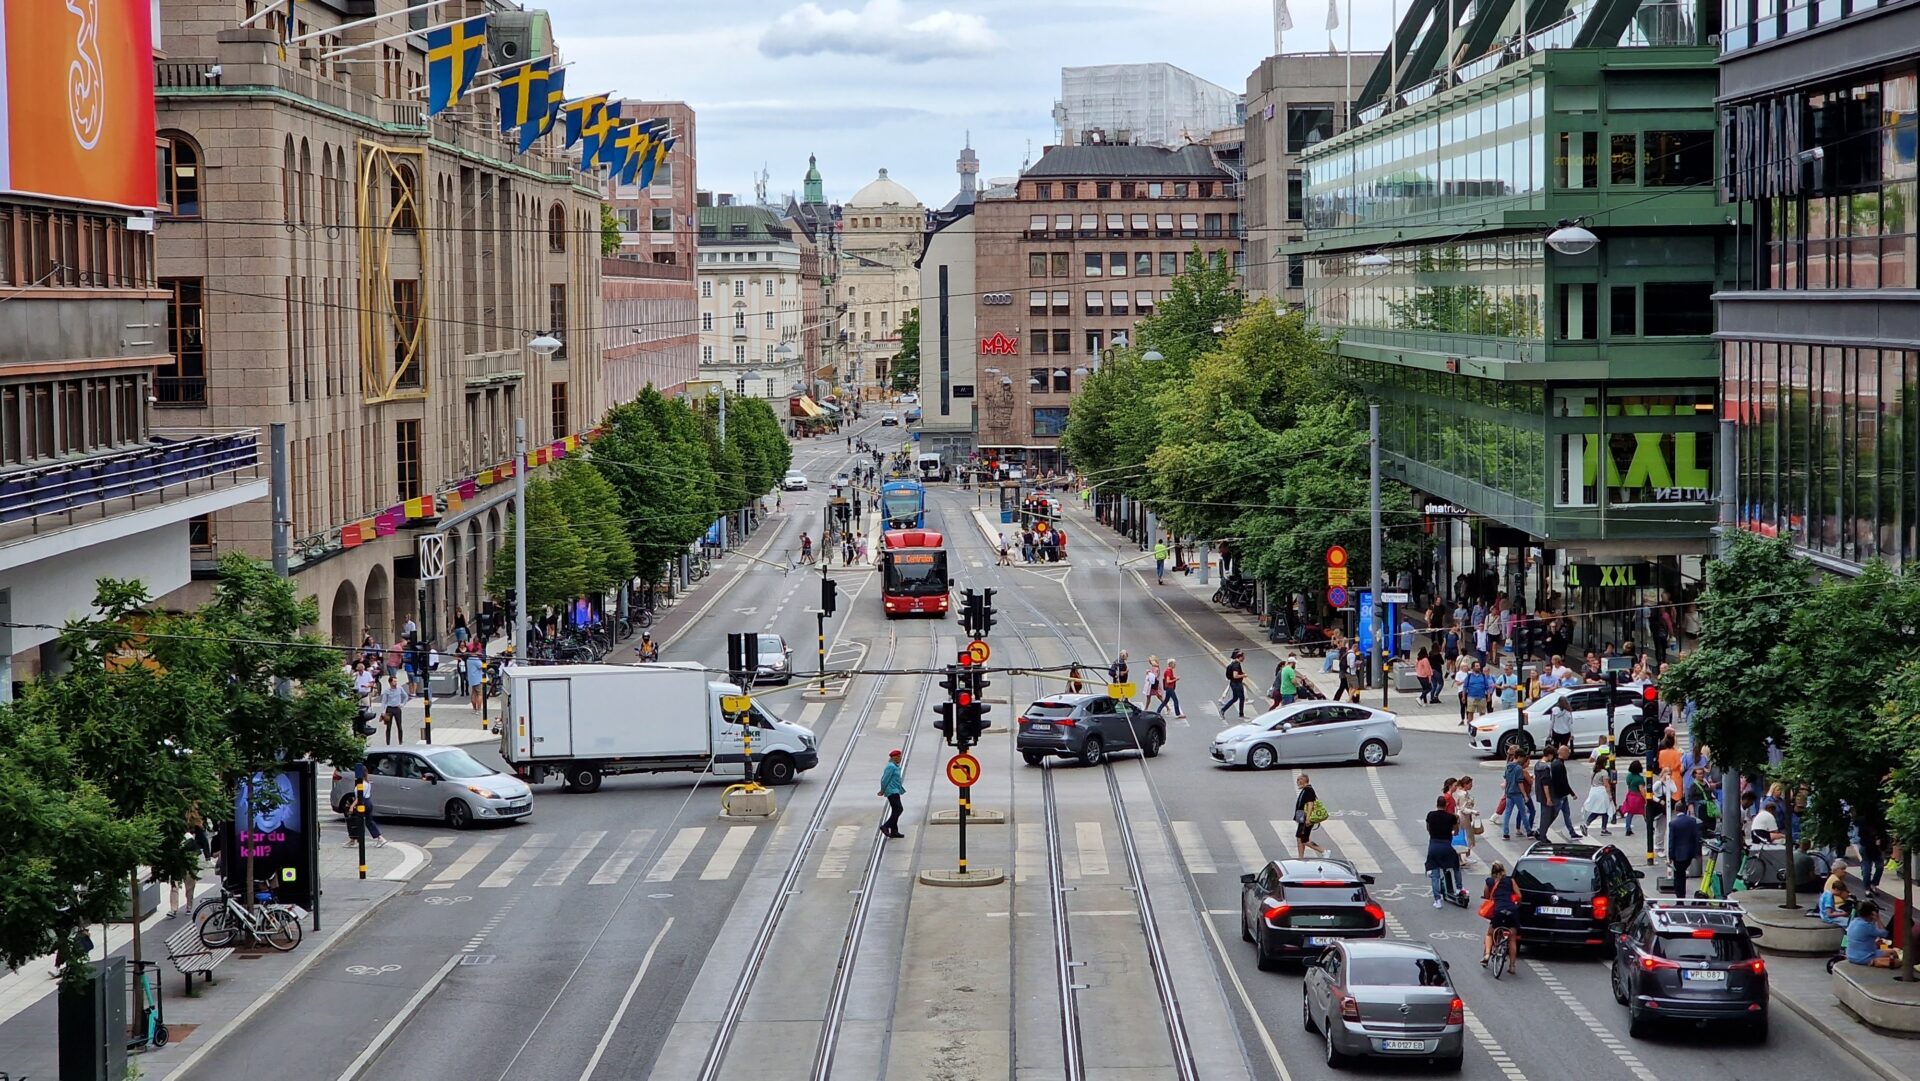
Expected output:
{"points": [[93, 1025]]}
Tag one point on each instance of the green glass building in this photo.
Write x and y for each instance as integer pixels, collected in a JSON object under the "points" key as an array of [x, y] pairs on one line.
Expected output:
{"points": [[1554, 407]]}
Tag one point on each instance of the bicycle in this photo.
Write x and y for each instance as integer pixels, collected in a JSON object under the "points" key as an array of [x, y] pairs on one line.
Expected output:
{"points": [[276, 925], [1502, 945]]}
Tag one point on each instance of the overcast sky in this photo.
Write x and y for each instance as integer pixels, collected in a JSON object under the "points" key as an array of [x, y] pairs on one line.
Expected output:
{"points": [[867, 84]]}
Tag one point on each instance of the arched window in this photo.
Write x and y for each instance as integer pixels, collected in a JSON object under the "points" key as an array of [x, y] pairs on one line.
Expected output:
{"points": [[406, 213], [306, 182], [179, 174], [557, 228], [287, 180]]}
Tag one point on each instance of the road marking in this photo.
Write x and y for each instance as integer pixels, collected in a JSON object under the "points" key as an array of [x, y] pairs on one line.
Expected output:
{"points": [[1246, 847], [615, 866], [399, 1020], [675, 856], [570, 860], [728, 854], [1090, 848], [833, 863], [890, 716], [1029, 851], [466, 861], [626, 1000], [1347, 845], [1193, 849], [412, 858], [1379, 791], [1414, 859], [516, 862], [438, 842], [810, 714], [1585, 1016]]}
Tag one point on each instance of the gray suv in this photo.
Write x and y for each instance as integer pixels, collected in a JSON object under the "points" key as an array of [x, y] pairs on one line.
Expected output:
{"points": [[1087, 727]]}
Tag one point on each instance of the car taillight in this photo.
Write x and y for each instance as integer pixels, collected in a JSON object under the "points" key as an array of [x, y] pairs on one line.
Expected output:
{"points": [[1755, 966], [1273, 910], [1650, 962], [1349, 1009], [1023, 722], [1375, 912], [1600, 906], [1065, 722], [1456, 1012]]}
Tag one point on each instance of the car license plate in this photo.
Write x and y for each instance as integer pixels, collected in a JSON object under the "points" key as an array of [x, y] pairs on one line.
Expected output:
{"points": [[1554, 910], [1705, 975], [1037, 727], [1319, 940], [1404, 1045]]}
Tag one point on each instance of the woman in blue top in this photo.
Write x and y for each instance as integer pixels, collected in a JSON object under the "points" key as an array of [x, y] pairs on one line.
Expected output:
{"points": [[1504, 892], [1863, 939]]}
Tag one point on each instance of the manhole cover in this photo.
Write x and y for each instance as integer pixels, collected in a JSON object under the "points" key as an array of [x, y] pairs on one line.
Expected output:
{"points": [[477, 959], [249, 956]]}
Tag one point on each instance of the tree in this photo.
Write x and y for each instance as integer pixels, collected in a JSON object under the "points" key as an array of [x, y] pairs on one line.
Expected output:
{"points": [[609, 231], [906, 362], [1205, 295], [652, 451], [1895, 737], [592, 509], [764, 448], [558, 564]]}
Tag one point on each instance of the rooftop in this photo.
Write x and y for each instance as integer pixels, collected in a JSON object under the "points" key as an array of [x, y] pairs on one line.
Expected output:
{"points": [[737, 224], [1146, 162]]}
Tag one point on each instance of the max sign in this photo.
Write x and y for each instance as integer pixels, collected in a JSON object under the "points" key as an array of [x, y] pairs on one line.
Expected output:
{"points": [[999, 346]]}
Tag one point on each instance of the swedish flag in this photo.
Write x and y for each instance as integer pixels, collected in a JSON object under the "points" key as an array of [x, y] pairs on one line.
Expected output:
{"points": [[580, 113], [454, 53], [543, 119], [597, 137], [659, 155], [523, 94], [635, 144]]}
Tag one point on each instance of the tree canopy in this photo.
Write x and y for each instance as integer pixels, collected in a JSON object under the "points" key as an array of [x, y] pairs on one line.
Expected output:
{"points": [[906, 362]]}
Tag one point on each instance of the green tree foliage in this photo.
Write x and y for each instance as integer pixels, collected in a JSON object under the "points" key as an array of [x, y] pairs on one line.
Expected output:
{"points": [[765, 453], [1896, 740], [655, 453], [592, 509], [609, 230], [1206, 294], [906, 362], [559, 565]]}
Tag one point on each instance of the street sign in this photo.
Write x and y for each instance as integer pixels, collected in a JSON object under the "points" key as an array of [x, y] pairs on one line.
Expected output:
{"points": [[1336, 576], [1616, 664], [978, 652], [1120, 690], [963, 769], [1396, 598], [1336, 556], [1337, 597], [736, 703]]}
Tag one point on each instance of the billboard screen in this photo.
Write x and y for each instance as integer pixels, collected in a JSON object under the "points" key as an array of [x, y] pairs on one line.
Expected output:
{"points": [[76, 100]]}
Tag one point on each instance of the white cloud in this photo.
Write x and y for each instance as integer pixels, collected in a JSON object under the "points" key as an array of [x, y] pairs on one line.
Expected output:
{"points": [[882, 29]]}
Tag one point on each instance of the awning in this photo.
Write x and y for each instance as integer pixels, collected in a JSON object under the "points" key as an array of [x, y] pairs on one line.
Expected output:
{"points": [[803, 406]]}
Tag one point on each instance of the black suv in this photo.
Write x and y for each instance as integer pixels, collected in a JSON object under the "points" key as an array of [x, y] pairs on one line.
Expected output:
{"points": [[1693, 961], [1291, 909], [1575, 895]]}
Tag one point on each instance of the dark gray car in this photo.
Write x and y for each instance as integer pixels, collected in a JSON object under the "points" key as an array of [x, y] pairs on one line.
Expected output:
{"points": [[1385, 999], [1087, 727]]}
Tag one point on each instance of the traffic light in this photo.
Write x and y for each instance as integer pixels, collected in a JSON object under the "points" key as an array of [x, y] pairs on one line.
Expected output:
{"points": [[976, 612], [969, 605], [743, 655], [952, 683], [1650, 694], [829, 595], [973, 711]]}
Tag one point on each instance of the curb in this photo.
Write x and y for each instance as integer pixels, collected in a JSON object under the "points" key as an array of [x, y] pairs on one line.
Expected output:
{"points": [[1844, 1039], [986, 876]]}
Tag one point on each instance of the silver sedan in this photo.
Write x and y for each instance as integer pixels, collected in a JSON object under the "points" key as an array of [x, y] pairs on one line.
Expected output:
{"points": [[1384, 999], [1315, 731]]}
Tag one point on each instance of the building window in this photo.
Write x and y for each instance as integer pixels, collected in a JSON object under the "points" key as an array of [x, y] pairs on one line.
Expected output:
{"points": [[1296, 272], [1037, 342], [1296, 194], [662, 219], [769, 286], [406, 455], [739, 354], [769, 320], [1089, 224], [1070, 190], [1096, 302], [1676, 309], [409, 358], [186, 382], [1050, 423], [1138, 223], [1062, 380], [706, 290], [739, 320], [1143, 302], [706, 320], [179, 161], [1153, 191], [1622, 318], [1307, 125], [200, 534], [866, 319], [1623, 159], [557, 317], [1169, 264], [1093, 264], [1063, 342], [1143, 264], [1063, 223], [1103, 191], [1579, 311], [769, 352], [556, 228], [1037, 223], [1180, 189], [740, 288], [405, 191], [1119, 302], [562, 422], [1117, 264], [1039, 380], [1062, 302], [1043, 191], [1093, 342], [1127, 189], [1677, 159], [1037, 302], [1057, 264], [1116, 224], [706, 354], [1576, 162], [1036, 264]]}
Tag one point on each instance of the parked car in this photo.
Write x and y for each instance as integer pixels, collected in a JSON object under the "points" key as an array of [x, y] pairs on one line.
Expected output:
{"points": [[1575, 894], [446, 783], [1315, 731], [1087, 727], [1291, 909], [794, 481], [889, 420], [1692, 961], [1384, 999], [1501, 730], [776, 660]]}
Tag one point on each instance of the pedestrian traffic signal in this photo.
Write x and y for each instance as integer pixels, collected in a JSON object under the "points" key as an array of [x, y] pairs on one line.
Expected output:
{"points": [[952, 683], [829, 595], [743, 654]]}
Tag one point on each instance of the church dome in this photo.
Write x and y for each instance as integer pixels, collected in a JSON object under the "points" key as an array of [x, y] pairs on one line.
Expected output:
{"points": [[882, 192]]}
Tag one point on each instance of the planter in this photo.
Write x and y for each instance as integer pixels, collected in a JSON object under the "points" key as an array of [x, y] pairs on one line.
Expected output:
{"points": [[1875, 997], [149, 902], [1792, 933]]}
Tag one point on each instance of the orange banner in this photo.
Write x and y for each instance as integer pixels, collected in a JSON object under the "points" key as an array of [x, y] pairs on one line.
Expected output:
{"points": [[78, 101]]}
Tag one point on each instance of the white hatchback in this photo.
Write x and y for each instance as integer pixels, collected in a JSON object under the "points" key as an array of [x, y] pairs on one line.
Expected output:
{"points": [[1503, 729], [1314, 731]]}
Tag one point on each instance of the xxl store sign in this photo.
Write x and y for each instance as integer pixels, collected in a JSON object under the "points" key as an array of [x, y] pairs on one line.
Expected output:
{"points": [[76, 100]]}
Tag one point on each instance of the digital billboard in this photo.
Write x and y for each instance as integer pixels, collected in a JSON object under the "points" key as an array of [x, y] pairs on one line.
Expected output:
{"points": [[76, 100]]}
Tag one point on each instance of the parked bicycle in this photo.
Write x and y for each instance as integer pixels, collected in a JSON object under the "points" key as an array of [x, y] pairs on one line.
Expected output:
{"points": [[1235, 592], [233, 923]]}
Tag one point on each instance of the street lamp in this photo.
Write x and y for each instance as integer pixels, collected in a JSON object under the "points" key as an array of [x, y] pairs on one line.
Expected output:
{"points": [[1572, 238], [543, 346], [1373, 260], [1151, 355]]}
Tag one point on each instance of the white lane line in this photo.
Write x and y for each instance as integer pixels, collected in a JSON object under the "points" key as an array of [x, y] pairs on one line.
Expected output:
{"points": [[1346, 844], [570, 860], [1379, 791], [833, 863], [1585, 1016], [1414, 859], [890, 716], [1193, 849], [399, 1020], [1475, 1027], [438, 842], [516, 862], [810, 714], [728, 854], [412, 858], [675, 856], [626, 1000], [614, 868], [1246, 847], [1090, 847], [1029, 853], [467, 861]]}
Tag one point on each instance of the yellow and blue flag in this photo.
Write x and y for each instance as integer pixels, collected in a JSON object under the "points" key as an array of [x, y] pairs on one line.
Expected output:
{"points": [[660, 148], [543, 120], [597, 137], [580, 113], [636, 145], [454, 53], [523, 94]]}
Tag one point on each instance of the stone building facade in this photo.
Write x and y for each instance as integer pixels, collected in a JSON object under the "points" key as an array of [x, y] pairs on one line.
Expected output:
{"points": [[882, 235]]}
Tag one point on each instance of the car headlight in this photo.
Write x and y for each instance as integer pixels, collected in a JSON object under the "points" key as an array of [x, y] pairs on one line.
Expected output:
{"points": [[481, 792]]}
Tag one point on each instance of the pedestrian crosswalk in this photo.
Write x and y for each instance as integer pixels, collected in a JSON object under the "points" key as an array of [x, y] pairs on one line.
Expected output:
{"points": [[548, 860]]}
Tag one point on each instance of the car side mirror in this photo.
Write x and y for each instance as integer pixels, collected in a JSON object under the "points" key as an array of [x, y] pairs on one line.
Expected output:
{"points": [[1753, 932], [431, 777], [1286, 726], [1639, 874], [1368, 879], [1246, 880]]}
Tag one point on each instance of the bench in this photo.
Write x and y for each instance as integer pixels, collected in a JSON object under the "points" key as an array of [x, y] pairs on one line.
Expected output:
{"points": [[190, 955]]}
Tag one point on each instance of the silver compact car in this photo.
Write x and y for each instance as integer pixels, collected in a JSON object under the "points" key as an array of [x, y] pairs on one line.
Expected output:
{"points": [[444, 783], [1385, 1000], [1310, 732]]}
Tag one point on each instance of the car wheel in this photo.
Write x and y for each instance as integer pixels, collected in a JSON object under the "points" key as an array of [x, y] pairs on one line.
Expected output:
{"points": [[1262, 961], [1619, 984], [1335, 1059], [1092, 752], [1639, 1025], [1151, 745], [459, 816], [1633, 741], [1306, 1013], [584, 779], [1515, 740], [775, 769], [1373, 752], [1032, 758], [1262, 757]]}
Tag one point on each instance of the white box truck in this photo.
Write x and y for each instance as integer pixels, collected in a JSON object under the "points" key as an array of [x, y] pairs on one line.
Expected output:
{"points": [[583, 722]]}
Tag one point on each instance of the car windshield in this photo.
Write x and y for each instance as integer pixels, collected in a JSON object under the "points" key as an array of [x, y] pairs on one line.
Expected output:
{"points": [[460, 765], [902, 505], [1718, 948], [1049, 709], [920, 574], [771, 646], [1564, 877], [1396, 972]]}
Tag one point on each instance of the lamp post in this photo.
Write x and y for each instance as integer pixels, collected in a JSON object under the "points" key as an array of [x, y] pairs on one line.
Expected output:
{"points": [[543, 347]]}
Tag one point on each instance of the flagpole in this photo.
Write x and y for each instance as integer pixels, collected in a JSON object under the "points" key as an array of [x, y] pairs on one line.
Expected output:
{"points": [[498, 68], [344, 49], [485, 86], [426, 5], [272, 6]]}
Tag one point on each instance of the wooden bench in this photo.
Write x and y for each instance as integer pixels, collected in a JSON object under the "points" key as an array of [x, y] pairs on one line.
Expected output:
{"points": [[190, 955]]}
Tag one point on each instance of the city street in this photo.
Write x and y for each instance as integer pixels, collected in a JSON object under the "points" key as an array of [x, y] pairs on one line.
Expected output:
{"points": [[609, 936]]}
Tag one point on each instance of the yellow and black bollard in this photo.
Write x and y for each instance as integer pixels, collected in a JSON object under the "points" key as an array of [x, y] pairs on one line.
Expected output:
{"points": [[360, 811]]}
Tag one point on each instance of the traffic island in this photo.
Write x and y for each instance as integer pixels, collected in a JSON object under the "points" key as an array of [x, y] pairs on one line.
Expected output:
{"points": [[747, 805], [984, 876], [1878, 999], [1792, 932], [976, 817]]}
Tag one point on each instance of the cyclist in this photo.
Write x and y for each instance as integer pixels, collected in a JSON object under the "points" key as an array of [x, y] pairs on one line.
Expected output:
{"points": [[649, 649], [1504, 893]]}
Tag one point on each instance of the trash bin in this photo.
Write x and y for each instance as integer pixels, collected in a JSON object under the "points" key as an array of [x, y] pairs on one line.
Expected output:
{"points": [[93, 1025]]}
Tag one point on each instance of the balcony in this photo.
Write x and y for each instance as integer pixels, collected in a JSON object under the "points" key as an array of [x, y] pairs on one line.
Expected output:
{"points": [[184, 391], [178, 466]]}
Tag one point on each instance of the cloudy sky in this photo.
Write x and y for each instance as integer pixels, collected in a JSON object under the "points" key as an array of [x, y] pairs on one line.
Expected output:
{"points": [[867, 84]]}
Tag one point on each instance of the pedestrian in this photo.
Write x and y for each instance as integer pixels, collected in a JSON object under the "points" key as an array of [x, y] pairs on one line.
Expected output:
{"points": [[1423, 675], [1543, 793], [460, 631], [1286, 683], [180, 890], [1153, 680], [1469, 813], [1443, 862], [1599, 801], [1560, 725], [476, 680], [1005, 559], [1563, 791], [1635, 803], [1670, 761], [1026, 546], [1506, 685], [1236, 685], [1478, 688], [1170, 702], [396, 657], [1661, 799], [1160, 562], [360, 813], [391, 700], [893, 785], [1683, 846], [1307, 813], [1863, 938], [1076, 680], [1515, 781], [1118, 671]]}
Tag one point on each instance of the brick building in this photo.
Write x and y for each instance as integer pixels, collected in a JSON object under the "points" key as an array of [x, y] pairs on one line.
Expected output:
{"points": [[659, 225], [1089, 242], [649, 328]]}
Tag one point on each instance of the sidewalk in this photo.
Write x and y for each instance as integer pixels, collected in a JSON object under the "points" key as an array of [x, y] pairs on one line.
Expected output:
{"points": [[245, 982], [1803, 985]]}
